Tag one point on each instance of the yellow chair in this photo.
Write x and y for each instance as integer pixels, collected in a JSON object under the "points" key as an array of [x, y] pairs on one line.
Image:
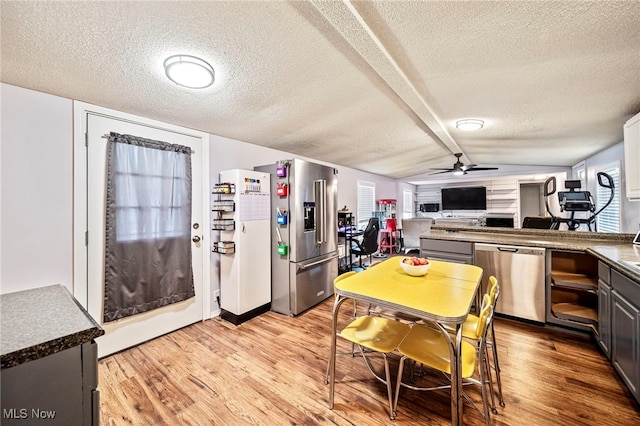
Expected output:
{"points": [[355, 313], [380, 335], [432, 346], [469, 331]]}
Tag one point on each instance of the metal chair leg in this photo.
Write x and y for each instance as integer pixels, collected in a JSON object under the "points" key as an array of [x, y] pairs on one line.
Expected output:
{"points": [[496, 365]]}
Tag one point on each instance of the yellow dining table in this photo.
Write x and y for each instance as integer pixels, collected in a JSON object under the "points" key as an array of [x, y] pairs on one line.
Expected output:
{"points": [[444, 295]]}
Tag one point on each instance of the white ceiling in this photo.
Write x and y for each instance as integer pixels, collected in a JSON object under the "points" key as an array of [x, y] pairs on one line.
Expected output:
{"points": [[372, 85]]}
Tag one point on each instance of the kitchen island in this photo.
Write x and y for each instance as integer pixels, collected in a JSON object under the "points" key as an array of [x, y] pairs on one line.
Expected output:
{"points": [[591, 282], [49, 359]]}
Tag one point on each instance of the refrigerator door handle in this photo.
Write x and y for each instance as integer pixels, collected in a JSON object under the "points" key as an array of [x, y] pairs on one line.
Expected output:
{"points": [[309, 265], [320, 187]]}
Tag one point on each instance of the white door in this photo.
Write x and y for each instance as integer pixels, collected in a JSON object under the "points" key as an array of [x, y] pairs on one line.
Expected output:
{"points": [[129, 331]]}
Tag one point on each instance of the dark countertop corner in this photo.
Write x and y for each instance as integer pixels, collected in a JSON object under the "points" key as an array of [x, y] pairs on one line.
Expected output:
{"points": [[40, 322]]}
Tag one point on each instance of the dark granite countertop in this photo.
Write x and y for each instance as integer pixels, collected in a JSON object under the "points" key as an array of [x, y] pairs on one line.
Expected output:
{"points": [[616, 250], [40, 322]]}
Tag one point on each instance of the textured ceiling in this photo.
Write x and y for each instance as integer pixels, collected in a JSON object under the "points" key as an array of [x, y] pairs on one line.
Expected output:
{"points": [[372, 85]]}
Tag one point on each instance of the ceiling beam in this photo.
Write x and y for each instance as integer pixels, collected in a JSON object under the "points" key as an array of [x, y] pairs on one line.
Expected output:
{"points": [[352, 26]]}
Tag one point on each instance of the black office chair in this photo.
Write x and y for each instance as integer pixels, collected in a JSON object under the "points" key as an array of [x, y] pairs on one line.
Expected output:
{"points": [[369, 243], [537, 222]]}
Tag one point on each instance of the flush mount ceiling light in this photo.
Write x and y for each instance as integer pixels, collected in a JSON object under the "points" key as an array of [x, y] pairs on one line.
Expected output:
{"points": [[189, 71], [470, 124]]}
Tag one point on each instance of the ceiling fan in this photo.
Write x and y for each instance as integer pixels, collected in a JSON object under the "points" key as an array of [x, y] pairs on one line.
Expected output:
{"points": [[460, 169]]}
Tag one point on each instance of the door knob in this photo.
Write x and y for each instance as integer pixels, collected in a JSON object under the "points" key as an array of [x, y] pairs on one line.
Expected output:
{"points": [[196, 239]]}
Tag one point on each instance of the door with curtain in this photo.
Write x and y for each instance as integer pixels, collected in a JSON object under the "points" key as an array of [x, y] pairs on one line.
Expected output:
{"points": [[134, 292]]}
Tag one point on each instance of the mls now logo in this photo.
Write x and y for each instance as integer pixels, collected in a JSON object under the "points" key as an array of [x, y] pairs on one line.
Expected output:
{"points": [[15, 413], [23, 413]]}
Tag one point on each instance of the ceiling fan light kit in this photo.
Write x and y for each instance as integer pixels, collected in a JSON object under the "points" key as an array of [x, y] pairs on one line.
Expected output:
{"points": [[189, 71], [470, 124]]}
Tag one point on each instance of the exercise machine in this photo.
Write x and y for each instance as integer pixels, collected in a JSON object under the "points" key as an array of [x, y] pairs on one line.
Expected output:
{"points": [[575, 201]]}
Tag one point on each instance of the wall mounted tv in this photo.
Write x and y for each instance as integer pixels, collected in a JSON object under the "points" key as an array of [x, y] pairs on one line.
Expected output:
{"points": [[467, 198]]}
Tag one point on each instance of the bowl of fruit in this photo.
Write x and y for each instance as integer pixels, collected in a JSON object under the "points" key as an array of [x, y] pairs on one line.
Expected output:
{"points": [[415, 266]]}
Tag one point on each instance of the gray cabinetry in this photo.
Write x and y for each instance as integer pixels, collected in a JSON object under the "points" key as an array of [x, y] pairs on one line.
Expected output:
{"points": [[59, 389], [604, 318], [625, 330], [604, 309], [450, 251], [49, 371]]}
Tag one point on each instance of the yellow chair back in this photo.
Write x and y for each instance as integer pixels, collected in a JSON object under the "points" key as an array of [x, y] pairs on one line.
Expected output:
{"points": [[494, 289], [483, 318]]}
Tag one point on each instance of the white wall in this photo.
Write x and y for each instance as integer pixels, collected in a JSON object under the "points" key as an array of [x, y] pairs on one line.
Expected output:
{"points": [[36, 203], [37, 190]]}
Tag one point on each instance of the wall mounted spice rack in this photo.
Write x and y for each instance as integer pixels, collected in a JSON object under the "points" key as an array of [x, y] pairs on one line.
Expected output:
{"points": [[224, 247], [223, 225], [223, 205], [224, 188]]}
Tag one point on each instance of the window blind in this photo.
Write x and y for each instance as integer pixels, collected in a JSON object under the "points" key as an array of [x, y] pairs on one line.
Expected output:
{"points": [[609, 219], [366, 202], [407, 204]]}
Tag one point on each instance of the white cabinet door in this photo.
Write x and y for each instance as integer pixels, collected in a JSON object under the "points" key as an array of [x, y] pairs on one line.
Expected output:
{"points": [[632, 157]]}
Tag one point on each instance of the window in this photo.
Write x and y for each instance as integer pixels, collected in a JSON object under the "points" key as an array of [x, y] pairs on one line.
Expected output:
{"points": [[579, 173], [366, 202], [609, 219], [407, 204]]}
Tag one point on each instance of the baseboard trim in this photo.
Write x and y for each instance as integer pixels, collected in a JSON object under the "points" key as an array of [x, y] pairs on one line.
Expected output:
{"points": [[239, 319]]}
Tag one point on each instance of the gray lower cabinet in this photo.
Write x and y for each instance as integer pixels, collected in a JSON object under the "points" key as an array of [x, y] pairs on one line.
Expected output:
{"points": [[604, 317], [604, 309], [625, 330], [450, 251], [619, 324], [58, 389]]}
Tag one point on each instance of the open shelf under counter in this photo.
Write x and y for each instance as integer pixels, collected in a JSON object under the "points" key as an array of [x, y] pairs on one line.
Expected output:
{"points": [[574, 280], [573, 290]]}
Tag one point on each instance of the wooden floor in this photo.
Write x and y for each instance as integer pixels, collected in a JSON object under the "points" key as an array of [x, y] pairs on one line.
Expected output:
{"points": [[270, 370]]}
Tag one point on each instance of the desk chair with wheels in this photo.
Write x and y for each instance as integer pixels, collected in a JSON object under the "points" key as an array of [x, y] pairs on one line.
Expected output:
{"points": [[369, 244], [537, 222]]}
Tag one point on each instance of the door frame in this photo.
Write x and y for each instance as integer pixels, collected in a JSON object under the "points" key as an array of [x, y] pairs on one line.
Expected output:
{"points": [[541, 205], [80, 208]]}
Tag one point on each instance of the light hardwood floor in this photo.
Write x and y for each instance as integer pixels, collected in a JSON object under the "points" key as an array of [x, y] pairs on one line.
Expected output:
{"points": [[270, 370]]}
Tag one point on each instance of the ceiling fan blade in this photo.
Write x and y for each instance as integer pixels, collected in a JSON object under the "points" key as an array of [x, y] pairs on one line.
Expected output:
{"points": [[441, 169], [482, 168], [444, 171], [468, 166]]}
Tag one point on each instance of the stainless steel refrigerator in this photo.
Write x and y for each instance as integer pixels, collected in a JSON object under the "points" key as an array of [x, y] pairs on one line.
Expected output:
{"points": [[304, 237]]}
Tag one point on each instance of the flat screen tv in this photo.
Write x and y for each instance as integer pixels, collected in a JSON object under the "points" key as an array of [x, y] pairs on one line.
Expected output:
{"points": [[469, 198]]}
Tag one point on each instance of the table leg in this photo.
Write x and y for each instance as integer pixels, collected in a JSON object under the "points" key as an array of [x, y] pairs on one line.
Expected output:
{"points": [[457, 403], [332, 360]]}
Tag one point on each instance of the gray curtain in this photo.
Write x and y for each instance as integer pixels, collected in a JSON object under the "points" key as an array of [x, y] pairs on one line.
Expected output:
{"points": [[148, 226]]}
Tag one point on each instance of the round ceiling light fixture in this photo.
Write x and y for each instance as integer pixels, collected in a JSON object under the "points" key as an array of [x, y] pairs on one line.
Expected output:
{"points": [[189, 71], [470, 124]]}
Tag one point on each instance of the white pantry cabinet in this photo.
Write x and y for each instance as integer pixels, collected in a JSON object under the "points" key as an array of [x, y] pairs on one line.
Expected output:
{"points": [[632, 157]]}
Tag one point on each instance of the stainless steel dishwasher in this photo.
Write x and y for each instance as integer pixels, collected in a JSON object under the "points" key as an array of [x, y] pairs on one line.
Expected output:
{"points": [[521, 275]]}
